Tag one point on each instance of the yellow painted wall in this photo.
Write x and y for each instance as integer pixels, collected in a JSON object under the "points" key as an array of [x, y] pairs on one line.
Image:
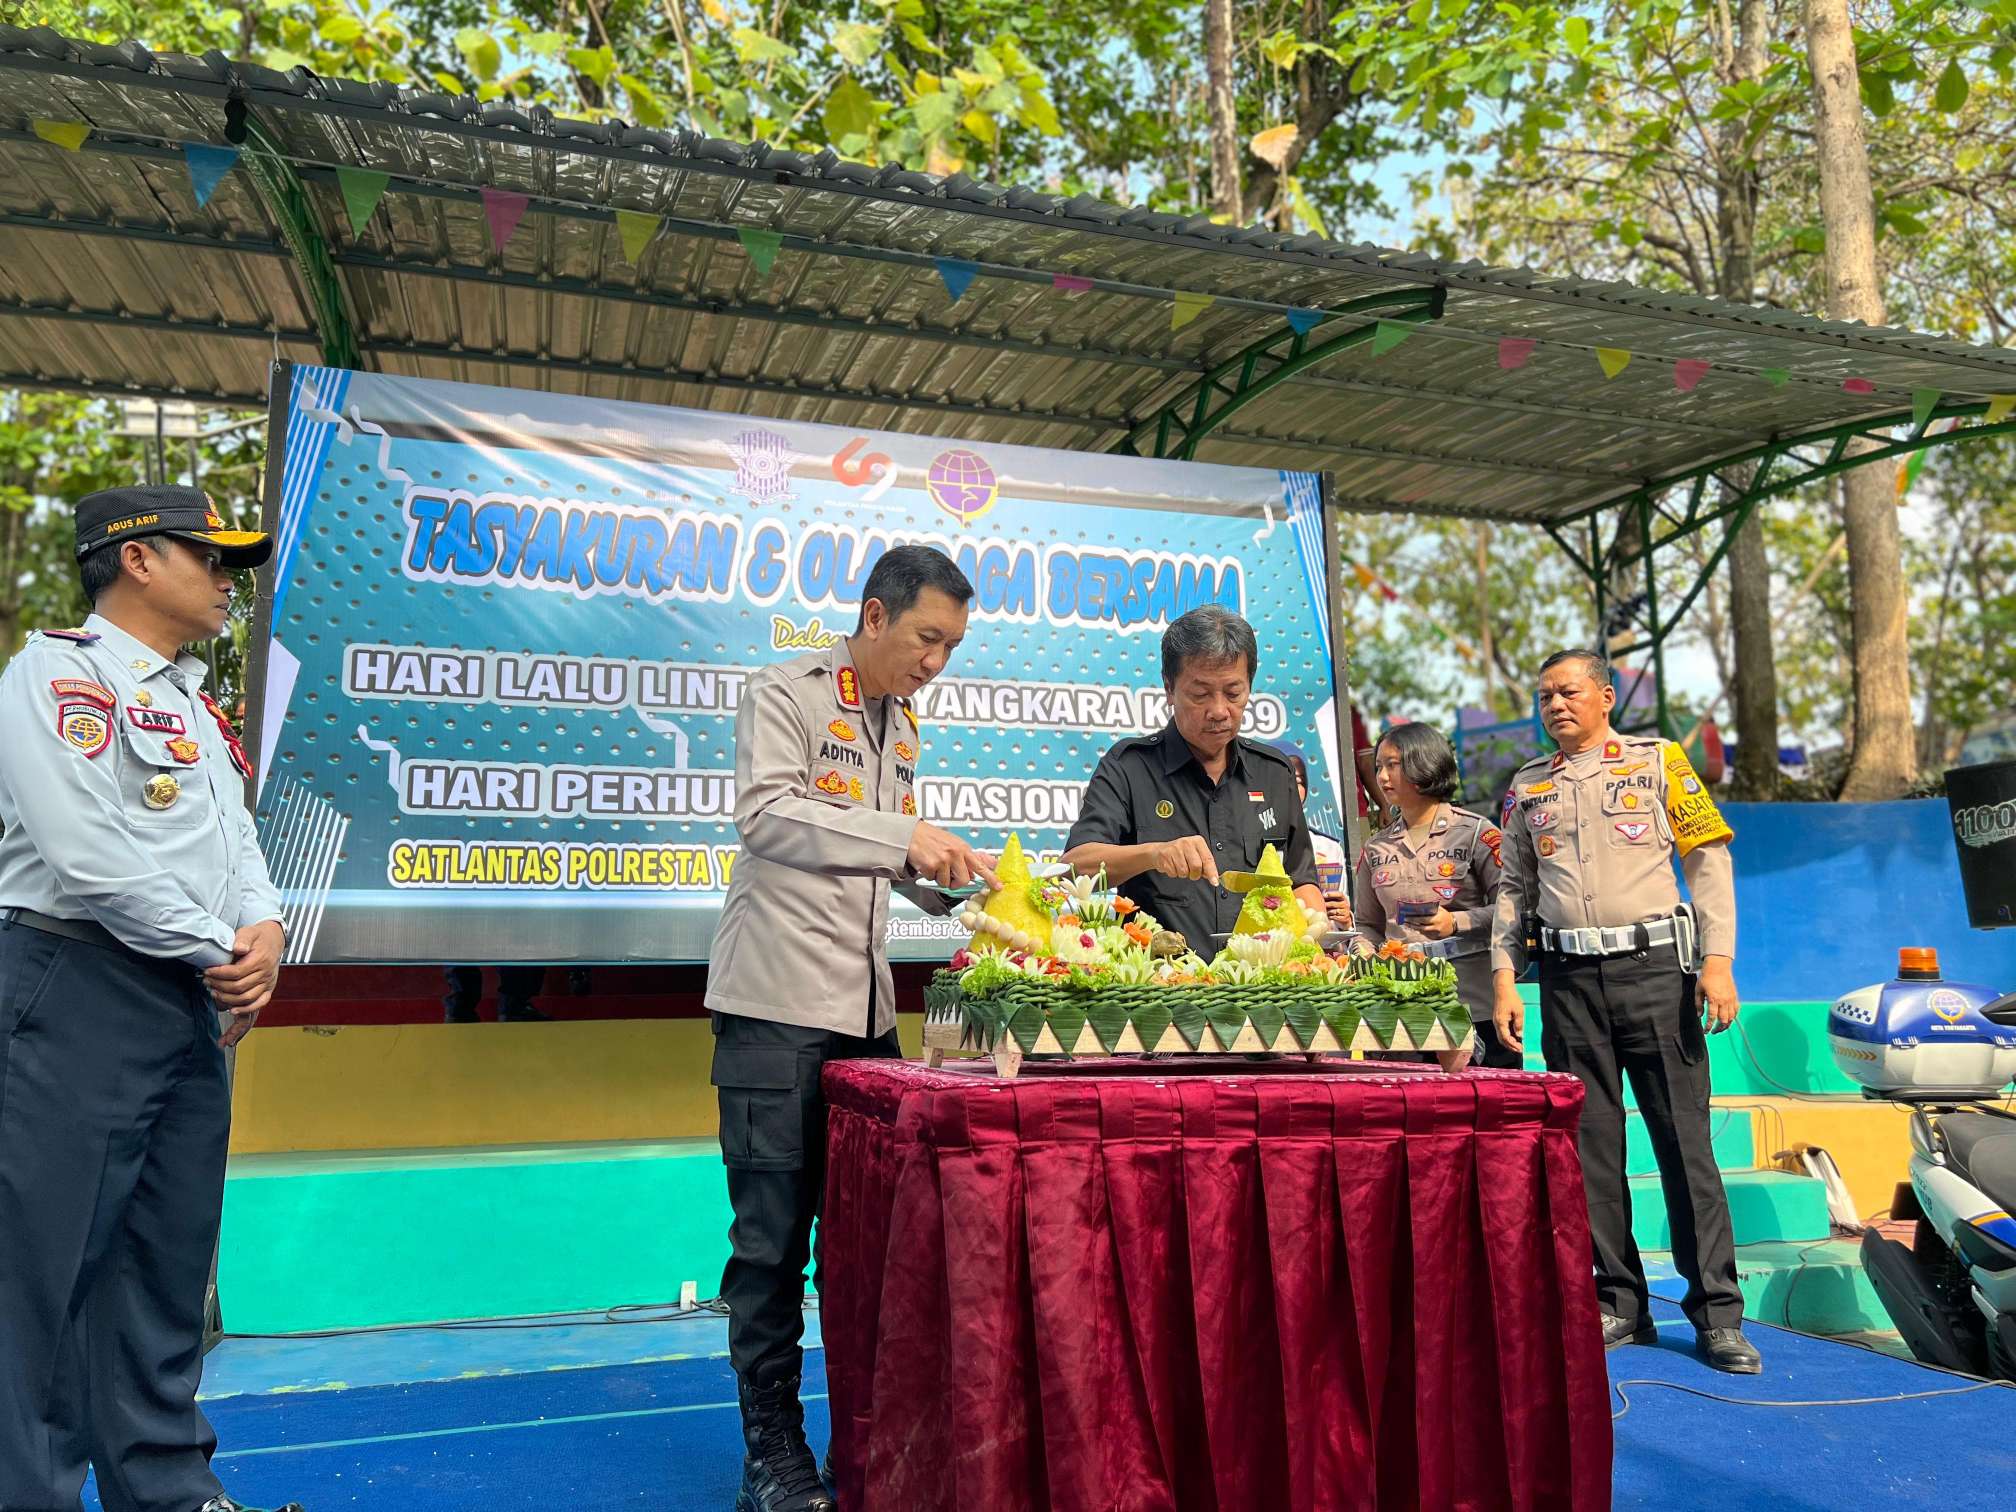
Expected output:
{"points": [[420, 1086], [1870, 1141]]}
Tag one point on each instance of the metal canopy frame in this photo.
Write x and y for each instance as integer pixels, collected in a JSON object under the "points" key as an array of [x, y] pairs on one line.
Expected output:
{"points": [[1647, 524], [851, 326]]}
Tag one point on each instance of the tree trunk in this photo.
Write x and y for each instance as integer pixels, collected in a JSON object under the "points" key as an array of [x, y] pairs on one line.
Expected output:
{"points": [[1226, 149], [1487, 651], [1753, 685], [1885, 758]]}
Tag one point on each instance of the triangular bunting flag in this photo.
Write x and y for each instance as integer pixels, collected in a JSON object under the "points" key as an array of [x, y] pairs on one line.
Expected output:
{"points": [[1923, 402], [762, 247], [362, 189], [1688, 371], [207, 167], [504, 208], [1302, 322], [1388, 335], [636, 227], [1776, 377], [958, 275], [69, 135], [1070, 283], [1365, 577], [1188, 307], [1857, 386], [1613, 359], [1999, 406], [1513, 351], [1908, 473]]}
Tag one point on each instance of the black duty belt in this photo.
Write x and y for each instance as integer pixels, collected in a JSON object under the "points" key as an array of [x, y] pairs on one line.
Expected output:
{"points": [[81, 930], [1600, 942]]}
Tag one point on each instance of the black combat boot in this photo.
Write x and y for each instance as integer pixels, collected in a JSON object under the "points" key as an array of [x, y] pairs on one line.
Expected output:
{"points": [[778, 1471]]}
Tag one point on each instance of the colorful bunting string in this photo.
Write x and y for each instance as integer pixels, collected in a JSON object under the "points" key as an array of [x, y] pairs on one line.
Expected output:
{"points": [[636, 227], [207, 167], [762, 246], [1387, 335], [504, 208], [69, 135], [1187, 307], [362, 189], [958, 275]]}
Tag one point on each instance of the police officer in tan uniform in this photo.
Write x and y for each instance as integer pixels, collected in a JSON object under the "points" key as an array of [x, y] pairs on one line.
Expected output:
{"points": [[826, 754], [1430, 878], [1630, 977]]}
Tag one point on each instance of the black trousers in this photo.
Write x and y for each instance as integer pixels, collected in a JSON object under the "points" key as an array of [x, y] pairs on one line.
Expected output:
{"points": [[114, 1118], [773, 1142], [1636, 1015]]}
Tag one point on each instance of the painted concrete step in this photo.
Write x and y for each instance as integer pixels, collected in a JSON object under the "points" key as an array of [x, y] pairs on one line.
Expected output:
{"points": [[1818, 1287], [1764, 1206], [1733, 1130]]}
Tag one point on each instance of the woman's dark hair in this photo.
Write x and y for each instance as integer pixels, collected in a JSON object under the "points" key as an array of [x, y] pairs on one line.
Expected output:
{"points": [[1426, 758]]}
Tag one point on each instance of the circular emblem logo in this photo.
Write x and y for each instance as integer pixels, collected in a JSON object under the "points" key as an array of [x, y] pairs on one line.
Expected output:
{"points": [[1948, 1005], [1545, 845], [962, 484], [1630, 800], [1447, 869], [1165, 809], [160, 791]]}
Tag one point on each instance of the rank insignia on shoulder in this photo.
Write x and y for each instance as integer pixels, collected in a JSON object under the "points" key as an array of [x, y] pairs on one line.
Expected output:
{"points": [[839, 729], [1612, 750], [184, 750], [160, 791], [1560, 760], [847, 684], [84, 727], [79, 636], [84, 688]]}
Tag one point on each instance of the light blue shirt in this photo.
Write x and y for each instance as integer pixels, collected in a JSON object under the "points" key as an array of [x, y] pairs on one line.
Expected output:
{"points": [[120, 799]]}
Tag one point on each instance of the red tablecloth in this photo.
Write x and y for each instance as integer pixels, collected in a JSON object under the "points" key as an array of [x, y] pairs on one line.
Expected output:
{"points": [[1242, 1291]]}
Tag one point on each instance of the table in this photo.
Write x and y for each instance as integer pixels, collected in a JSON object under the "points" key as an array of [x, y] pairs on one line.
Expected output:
{"points": [[1165, 1285]]}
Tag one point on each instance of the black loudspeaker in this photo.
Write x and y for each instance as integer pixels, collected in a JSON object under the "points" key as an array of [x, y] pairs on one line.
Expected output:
{"points": [[1983, 803]]}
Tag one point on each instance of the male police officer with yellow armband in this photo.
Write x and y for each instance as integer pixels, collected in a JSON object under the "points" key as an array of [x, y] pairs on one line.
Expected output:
{"points": [[134, 905], [1629, 978], [826, 754]]}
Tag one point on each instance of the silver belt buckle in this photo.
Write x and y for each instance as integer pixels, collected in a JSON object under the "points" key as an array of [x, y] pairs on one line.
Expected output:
{"points": [[1588, 941]]}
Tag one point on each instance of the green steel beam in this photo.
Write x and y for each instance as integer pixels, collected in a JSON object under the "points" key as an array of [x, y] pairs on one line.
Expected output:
{"points": [[1177, 427], [285, 197], [1734, 510]]}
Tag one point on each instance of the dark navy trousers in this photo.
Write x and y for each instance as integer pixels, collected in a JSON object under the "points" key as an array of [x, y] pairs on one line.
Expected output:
{"points": [[114, 1118]]}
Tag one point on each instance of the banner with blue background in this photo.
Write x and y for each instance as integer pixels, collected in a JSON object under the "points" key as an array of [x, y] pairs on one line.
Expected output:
{"points": [[509, 632]]}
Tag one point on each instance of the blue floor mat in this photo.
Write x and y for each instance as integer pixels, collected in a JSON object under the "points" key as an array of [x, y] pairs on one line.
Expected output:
{"points": [[666, 1436], [1677, 1452]]}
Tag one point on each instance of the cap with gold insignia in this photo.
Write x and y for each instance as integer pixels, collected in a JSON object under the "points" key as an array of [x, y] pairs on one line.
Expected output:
{"points": [[125, 514]]}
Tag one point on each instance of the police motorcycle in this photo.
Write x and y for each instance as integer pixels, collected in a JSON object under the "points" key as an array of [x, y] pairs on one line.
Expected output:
{"points": [[1948, 1051]]}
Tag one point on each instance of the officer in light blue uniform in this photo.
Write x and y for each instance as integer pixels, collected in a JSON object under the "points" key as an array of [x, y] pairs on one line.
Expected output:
{"points": [[134, 909]]}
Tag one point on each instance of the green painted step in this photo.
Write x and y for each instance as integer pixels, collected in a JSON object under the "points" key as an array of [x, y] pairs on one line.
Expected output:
{"points": [[350, 1240], [1816, 1288], [1731, 1128], [1764, 1206]]}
